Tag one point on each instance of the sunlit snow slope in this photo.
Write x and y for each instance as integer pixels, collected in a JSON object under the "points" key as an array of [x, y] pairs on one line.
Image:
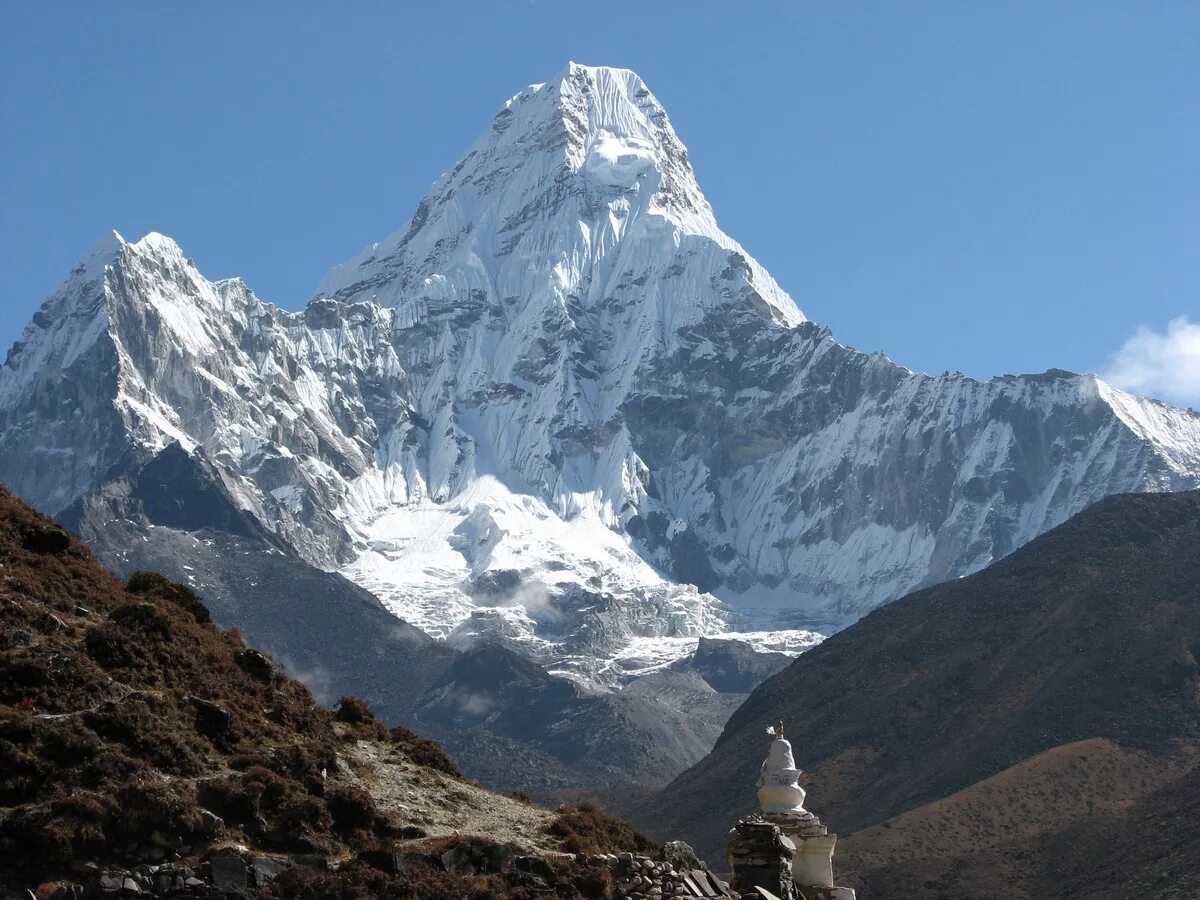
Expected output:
{"points": [[562, 408]]}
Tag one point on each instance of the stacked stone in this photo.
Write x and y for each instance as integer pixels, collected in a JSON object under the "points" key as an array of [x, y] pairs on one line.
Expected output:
{"points": [[761, 856], [229, 872], [643, 878], [803, 824]]}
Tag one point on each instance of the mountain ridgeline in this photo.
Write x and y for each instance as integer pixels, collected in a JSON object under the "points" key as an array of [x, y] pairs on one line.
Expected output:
{"points": [[562, 410]]}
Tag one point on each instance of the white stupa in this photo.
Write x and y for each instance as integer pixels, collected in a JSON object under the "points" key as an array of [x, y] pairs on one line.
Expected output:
{"points": [[783, 850], [779, 793]]}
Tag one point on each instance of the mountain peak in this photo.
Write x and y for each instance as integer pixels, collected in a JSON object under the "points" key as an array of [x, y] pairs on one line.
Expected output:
{"points": [[156, 242], [561, 407], [617, 93], [616, 130], [108, 251], [621, 98], [103, 253], [549, 202]]}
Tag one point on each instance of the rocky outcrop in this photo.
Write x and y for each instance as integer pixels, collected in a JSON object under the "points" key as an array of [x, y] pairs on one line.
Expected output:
{"points": [[730, 666], [228, 873], [645, 878]]}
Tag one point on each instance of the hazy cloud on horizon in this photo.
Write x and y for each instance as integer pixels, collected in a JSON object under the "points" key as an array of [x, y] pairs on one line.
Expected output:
{"points": [[1162, 364]]}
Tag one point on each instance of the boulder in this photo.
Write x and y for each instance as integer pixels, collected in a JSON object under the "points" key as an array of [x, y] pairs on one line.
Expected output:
{"points": [[228, 871], [210, 824], [535, 865], [259, 666], [113, 883], [461, 861], [264, 869], [45, 539], [213, 721], [398, 862]]}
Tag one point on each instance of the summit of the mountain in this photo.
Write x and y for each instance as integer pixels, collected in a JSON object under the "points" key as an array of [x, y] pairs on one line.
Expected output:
{"points": [[576, 176]]}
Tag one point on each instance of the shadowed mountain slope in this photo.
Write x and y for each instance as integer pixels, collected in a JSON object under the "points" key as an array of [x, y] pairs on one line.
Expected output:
{"points": [[1087, 819], [1090, 632]]}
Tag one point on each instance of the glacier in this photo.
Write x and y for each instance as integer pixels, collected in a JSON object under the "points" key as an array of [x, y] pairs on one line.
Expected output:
{"points": [[562, 410]]}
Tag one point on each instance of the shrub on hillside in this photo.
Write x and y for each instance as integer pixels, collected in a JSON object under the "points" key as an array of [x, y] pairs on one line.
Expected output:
{"points": [[353, 711], [143, 619], [587, 828], [153, 584], [424, 751], [145, 734], [352, 808], [357, 880], [430, 880], [145, 806], [299, 814], [54, 833], [110, 648], [241, 799], [304, 763]]}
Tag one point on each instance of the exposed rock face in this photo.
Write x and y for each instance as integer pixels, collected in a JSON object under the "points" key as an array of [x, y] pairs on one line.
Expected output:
{"points": [[591, 740], [561, 408], [732, 666]]}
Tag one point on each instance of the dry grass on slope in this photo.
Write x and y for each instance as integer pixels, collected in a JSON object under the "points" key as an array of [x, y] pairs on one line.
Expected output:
{"points": [[129, 723], [443, 806], [1016, 833], [124, 712]]}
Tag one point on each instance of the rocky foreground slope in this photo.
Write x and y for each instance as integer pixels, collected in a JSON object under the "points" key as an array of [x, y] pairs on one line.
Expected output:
{"points": [[146, 752], [562, 409], [1031, 730]]}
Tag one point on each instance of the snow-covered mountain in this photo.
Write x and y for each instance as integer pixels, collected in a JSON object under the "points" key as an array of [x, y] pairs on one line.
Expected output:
{"points": [[562, 408]]}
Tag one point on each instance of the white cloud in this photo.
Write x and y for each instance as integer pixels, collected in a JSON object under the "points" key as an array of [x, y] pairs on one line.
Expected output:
{"points": [[1165, 365]]}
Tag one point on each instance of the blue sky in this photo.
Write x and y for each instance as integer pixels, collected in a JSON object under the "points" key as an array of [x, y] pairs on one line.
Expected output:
{"points": [[983, 187]]}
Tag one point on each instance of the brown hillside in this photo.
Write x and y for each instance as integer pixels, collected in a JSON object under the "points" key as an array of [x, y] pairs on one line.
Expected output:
{"points": [[1092, 631], [133, 732], [1043, 824]]}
